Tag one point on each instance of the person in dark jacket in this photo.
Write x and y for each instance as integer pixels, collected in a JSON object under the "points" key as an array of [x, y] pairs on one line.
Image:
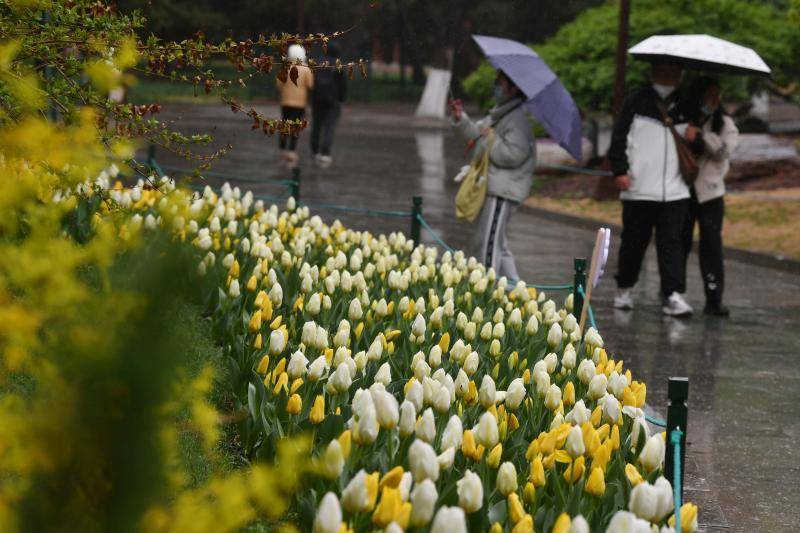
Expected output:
{"points": [[654, 196], [330, 88], [713, 135]]}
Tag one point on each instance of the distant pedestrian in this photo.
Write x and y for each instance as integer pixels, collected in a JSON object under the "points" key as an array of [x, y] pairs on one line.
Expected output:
{"points": [[512, 158], [294, 100], [330, 87], [654, 195], [713, 136]]}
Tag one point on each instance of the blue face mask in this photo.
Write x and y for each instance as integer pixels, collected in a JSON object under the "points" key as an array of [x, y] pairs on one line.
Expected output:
{"points": [[707, 110], [499, 94]]}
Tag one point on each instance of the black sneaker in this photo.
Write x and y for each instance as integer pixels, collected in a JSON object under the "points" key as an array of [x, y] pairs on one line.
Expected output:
{"points": [[716, 309]]}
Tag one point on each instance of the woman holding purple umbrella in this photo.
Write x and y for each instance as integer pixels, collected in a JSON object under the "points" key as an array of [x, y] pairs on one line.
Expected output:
{"points": [[512, 158]]}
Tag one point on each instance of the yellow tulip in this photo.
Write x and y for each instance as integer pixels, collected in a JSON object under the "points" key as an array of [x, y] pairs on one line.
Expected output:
{"points": [[371, 482], [524, 526], [298, 304], [494, 456], [444, 342], [392, 335], [255, 322], [234, 271], [294, 405], [280, 367], [281, 383], [615, 437], [513, 423], [602, 456], [391, 508], [392, 478], [688, 518], [345, 440], [547, 445], [260, 298], [627, 397], [526, 376], [537, 473], [562, 524], [258, 342], [358, 330], [596, 484], [317, 414], [515, 510], [596, 416], [633, 475], [533, 450], [472, 393], [496, 528], [296, 384], [252, 284], [468, 447], [276, 323], [575, 470], [266, 308], [263, 365], [529, 493], [569, 393]]}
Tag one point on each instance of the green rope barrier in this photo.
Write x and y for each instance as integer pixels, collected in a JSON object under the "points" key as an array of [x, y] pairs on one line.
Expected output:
{"points": [[361, 210], [675, 438], [656, 421], [433, 234], [551, 287]]}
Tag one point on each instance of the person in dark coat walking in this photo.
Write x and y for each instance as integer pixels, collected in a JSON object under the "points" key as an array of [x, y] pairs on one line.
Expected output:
{"points": [[330, 89]]}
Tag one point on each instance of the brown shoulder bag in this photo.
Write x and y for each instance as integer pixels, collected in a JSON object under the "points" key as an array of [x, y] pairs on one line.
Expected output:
{"points": [[686, 159]]}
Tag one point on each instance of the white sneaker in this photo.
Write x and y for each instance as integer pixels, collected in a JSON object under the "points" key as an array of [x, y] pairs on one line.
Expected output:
{"points": [[675, 305], [623, 299], [325, 161], [292, 158]]}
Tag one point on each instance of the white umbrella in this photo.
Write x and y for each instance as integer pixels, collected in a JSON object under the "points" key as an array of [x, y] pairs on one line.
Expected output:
{"points": [[702, 52]]}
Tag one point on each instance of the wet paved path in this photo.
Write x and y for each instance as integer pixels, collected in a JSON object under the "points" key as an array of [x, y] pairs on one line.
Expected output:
{"points": [[744, 418]]}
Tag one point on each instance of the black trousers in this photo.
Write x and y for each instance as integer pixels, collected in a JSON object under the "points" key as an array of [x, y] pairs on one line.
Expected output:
{"points": [[639, 219], [323, 126], [290, 113], [708, 216]]}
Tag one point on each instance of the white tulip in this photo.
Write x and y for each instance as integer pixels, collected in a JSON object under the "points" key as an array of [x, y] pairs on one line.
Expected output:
{"points": [[533, 326], [277, 342], [233, 290], [317, 368], [384, 374], [276, 295], [461, 383], [453, 433], [354, 312], [579, 523], [666, 503], [425, 427], [515, 394], [626, 522], [297, 364], [415, 395], [597, 387], [408, 416], [487, 392], [355, 497], [333, 460], [329, 515], [486, 432], [574, 446], [441, 401], [554, 335], [592, 338], [446, 458], [652, 455], [386, 408], [470, 492], [375, 350], [610, 409], [423, 502], [435, 356], [448, 520], [542, 382], [569, 358], [507, 478], [638, 427], [418, 326], [499, 330], [586, 371], [579, 415], [552, 399], [551, 362], [314, 304], [341, 379], [422, 461], [617, 383], [471, 363], [405, 485]]}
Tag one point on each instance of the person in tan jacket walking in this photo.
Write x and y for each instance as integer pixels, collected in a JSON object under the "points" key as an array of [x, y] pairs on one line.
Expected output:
{"points": [[294, 99]]}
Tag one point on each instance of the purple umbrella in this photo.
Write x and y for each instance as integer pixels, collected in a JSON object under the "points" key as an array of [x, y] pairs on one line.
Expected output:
{"points": [[548, 100]]}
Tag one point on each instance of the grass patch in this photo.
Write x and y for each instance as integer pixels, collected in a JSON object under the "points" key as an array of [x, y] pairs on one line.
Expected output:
{"points": [[758, 222]]}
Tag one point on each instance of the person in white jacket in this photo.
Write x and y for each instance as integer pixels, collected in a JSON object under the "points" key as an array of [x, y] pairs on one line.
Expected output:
{"points": [[655, 198], [713, 136]]}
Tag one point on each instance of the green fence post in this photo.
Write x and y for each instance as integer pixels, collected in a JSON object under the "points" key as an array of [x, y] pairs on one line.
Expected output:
{"points": [[151, 154], [677, 416], [295, 186], [416, 212], [578, 281]]}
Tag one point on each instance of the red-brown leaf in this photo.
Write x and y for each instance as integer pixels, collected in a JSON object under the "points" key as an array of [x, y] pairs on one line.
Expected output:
{"points": [[294, 73]]}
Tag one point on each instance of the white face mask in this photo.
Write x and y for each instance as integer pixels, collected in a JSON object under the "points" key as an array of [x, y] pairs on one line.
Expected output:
{"points": [[663, 90]]}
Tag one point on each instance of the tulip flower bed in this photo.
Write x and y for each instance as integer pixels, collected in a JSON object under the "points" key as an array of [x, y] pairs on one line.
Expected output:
{"points": [[438, 397]]}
